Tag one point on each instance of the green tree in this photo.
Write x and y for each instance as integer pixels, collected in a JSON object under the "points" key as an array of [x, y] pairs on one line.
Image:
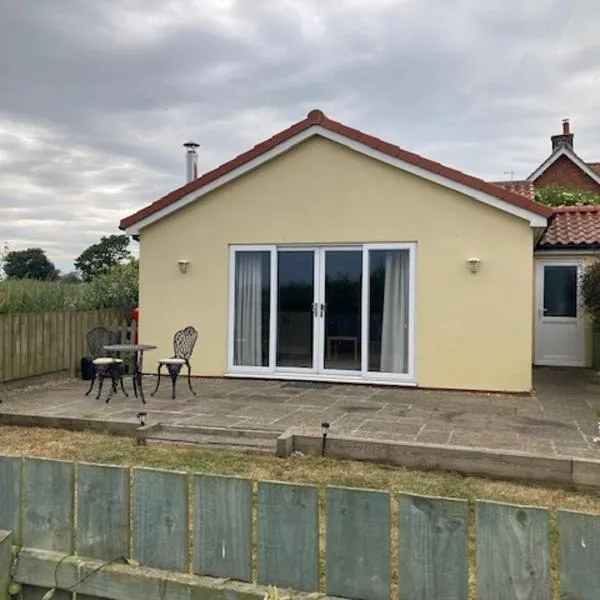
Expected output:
{"points": [[590, 291], [29, 264], [4, 250], [71, 277], [99, 258], [116, 289]]}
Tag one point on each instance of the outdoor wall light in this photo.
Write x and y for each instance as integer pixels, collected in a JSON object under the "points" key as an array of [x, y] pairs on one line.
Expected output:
{"points": [[473, 263], [324, 431], [140, 439], [183, 265]]}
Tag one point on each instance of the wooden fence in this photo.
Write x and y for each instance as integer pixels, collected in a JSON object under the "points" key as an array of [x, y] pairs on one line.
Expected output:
{"points": [[340, 542], [41, 343]]}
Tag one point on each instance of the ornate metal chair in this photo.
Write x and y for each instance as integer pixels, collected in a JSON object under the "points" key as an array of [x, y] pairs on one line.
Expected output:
{"points": [[183, 346], [104, 366]]}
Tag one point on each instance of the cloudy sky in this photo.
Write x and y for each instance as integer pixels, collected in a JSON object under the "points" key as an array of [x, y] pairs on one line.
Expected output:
{"points": [[96, 98]]}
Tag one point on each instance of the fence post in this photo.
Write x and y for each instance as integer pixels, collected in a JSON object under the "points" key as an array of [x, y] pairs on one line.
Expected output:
{"points": [[5, 562], [72, 345], [3, 353]]}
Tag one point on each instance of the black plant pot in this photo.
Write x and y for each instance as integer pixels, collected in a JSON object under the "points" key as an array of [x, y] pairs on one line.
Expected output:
{"points": [[87, 369]]}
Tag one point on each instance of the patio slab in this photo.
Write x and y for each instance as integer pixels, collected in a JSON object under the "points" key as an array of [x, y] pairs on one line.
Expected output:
{"points": [[559, 418]]}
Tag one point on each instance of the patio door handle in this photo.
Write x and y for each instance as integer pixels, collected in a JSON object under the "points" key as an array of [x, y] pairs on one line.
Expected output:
{"points": [[318, 309]]}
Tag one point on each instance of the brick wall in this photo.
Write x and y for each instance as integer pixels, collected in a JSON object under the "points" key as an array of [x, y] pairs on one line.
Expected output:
{"points": [[564, 173]]}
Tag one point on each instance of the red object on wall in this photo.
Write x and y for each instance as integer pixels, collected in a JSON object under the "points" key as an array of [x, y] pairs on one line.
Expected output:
{"points": [[136, 318]]}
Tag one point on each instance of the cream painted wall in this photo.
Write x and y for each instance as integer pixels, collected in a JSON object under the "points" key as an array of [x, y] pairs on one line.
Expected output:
{"points": [[472, 331]]}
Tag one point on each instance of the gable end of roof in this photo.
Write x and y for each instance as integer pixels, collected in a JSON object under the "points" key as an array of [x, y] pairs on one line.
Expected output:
{"points": [[316, 123], [564, 151]]}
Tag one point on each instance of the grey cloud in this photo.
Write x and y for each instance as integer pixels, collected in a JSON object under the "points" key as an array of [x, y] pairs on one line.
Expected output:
{"points": [[97, 97]]}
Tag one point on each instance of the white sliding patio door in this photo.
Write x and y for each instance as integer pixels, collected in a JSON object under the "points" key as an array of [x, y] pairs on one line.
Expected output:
{"points": [[330, 312], [295, 335], [389, 311], [250, 308], [340, 310]]}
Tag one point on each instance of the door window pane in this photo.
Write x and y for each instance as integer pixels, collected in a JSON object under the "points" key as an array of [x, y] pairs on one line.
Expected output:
{"points": [[295, 297], [342, 310], [252, 308], [560, 291], [388, 310]]}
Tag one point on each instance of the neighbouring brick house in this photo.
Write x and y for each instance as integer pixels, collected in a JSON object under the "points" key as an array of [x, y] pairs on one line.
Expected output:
{"points": [[563, 168], [569, 243]]}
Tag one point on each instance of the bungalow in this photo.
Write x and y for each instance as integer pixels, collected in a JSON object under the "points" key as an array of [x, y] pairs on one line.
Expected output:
{"points": [[326, 254]]}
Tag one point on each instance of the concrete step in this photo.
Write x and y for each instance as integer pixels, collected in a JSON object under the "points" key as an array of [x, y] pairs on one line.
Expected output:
{"points": [[221, 438], [242, 432]]}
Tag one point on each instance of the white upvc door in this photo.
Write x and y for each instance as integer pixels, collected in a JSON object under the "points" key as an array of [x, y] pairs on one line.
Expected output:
{"points": [[323, 312], [340, 311], [318, 311], [559, 331], [295, 334]]}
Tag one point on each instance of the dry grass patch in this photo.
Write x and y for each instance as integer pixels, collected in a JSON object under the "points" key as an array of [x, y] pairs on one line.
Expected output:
{"points": [[108, 449]]}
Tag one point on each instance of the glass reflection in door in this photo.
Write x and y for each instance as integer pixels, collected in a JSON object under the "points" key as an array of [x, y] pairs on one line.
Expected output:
{"points": [[342, 309], [295, 303], [560, 291]]}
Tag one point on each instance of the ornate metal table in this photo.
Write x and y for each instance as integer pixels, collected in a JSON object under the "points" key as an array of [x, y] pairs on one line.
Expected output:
{"points": [[138, 363]]}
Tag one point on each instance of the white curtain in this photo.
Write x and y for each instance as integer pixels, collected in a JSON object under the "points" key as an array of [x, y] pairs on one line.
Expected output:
{"points": [[394, 335], [248, 309]]}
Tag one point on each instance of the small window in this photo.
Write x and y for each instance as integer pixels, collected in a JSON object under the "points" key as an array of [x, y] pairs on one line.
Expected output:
{"points": [[560, 291]]}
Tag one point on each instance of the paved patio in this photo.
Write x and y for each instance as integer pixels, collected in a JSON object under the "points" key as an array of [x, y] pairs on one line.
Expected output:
{"points": [[558, 419]]}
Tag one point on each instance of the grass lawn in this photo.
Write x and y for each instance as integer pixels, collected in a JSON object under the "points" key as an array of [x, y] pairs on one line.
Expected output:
{"points": [[93, 447]]}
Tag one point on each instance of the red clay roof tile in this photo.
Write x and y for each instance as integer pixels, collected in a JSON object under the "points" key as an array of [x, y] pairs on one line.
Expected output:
{"points": [[316, 117], [572, 226], [523, 188], [595, 166]]}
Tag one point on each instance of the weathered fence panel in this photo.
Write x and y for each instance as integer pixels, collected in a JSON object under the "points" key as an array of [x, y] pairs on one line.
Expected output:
{"points": [[512, 552], [5, 347], [48, 515], [160, 519], [358, 544], [288, 535], [10, 495], [33, 344], [48, 501], [102, 511], [579, 555], [223, 527], [275, 539], [432, 548]]}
